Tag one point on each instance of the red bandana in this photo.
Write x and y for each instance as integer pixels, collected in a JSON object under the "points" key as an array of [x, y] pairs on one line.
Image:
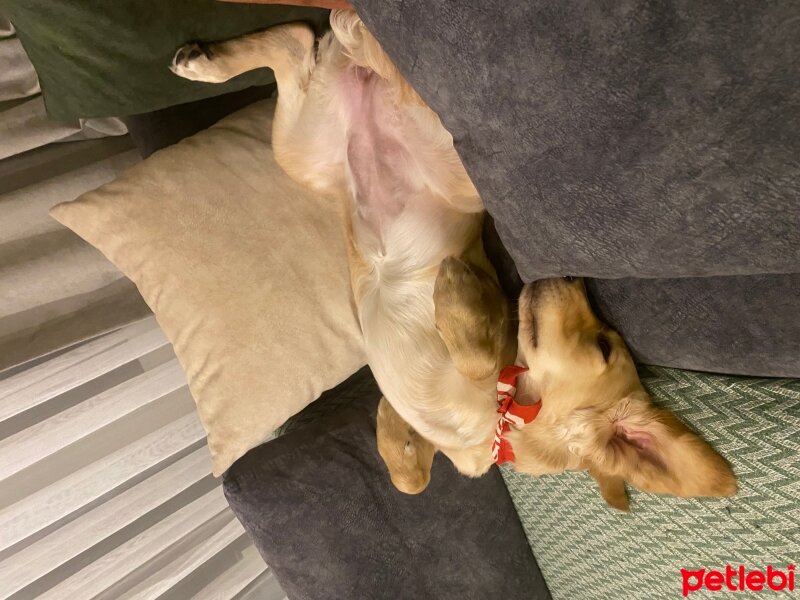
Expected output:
{"points": [[511, 413]]}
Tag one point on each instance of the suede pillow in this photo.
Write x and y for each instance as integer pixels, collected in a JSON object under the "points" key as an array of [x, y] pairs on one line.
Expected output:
{"points": [[245, 271]]}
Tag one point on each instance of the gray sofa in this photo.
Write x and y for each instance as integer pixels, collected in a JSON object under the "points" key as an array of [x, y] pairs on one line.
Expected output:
{"points": [[652, 146], [319, 506]]}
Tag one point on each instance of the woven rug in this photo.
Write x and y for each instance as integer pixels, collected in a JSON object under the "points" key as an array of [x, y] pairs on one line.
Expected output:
{"points": [[587, 550]]}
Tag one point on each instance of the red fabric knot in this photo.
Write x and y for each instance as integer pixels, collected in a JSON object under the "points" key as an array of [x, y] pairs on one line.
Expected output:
{"points": [[511, 412]]}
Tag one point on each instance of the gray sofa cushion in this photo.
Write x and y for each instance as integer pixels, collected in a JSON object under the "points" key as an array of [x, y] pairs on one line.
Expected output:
{"points": [[747, 325], [319, 506], [631, 139]]}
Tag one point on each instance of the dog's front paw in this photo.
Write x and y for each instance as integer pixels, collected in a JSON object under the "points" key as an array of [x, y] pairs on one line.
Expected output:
{"points": [[453, 272], [195, 61], [471, 317], [463, 292]]}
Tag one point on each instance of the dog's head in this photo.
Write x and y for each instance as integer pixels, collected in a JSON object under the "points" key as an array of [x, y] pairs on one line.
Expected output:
{"points": [[595, 413]]}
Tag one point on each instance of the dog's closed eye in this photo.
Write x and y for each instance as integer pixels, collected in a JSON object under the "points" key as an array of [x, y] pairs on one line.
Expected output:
{"points": [[605, 345]]}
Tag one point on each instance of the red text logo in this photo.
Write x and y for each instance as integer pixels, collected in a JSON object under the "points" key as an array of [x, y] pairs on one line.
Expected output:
{"points": [[738, 579]]}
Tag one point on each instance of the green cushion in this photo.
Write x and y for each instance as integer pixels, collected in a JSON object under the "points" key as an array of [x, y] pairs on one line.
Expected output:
{"points": [[587, 550], [99, 58]]}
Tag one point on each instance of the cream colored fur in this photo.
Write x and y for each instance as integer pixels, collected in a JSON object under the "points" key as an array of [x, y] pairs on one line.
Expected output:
{"points": [[435, 325]]}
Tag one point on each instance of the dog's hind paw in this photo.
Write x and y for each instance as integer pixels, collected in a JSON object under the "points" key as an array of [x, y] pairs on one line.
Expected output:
{"points": [[195, 61]]}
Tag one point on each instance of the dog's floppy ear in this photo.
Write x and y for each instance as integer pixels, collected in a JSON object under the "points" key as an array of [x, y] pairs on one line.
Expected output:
{"points": [[652, 450]]}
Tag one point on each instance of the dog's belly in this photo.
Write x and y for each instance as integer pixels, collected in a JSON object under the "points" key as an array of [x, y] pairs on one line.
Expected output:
{"points": [[403, 231], [413, 367], [380, 169]]}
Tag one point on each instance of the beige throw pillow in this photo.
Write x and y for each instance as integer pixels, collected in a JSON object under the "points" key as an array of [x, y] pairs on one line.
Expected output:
{"points": [[245, 271]]}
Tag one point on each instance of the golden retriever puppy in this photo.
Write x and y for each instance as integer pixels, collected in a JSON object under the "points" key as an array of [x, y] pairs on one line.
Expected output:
{"points": [[436, 328]]}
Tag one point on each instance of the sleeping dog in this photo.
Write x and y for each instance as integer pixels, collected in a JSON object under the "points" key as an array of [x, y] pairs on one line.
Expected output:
{"points": [[437, 329]]}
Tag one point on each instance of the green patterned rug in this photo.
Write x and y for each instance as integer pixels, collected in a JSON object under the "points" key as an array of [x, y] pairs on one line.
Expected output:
{"points": [[587, 550]]}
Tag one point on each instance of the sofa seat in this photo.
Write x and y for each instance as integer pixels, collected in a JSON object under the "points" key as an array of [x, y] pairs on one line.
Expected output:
{"points": [[587, 550]]}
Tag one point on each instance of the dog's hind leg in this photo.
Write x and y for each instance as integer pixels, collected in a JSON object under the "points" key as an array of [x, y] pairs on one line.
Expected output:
{"points": [[286, 49], [302, 133], [472, 317], [408, 456]]}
